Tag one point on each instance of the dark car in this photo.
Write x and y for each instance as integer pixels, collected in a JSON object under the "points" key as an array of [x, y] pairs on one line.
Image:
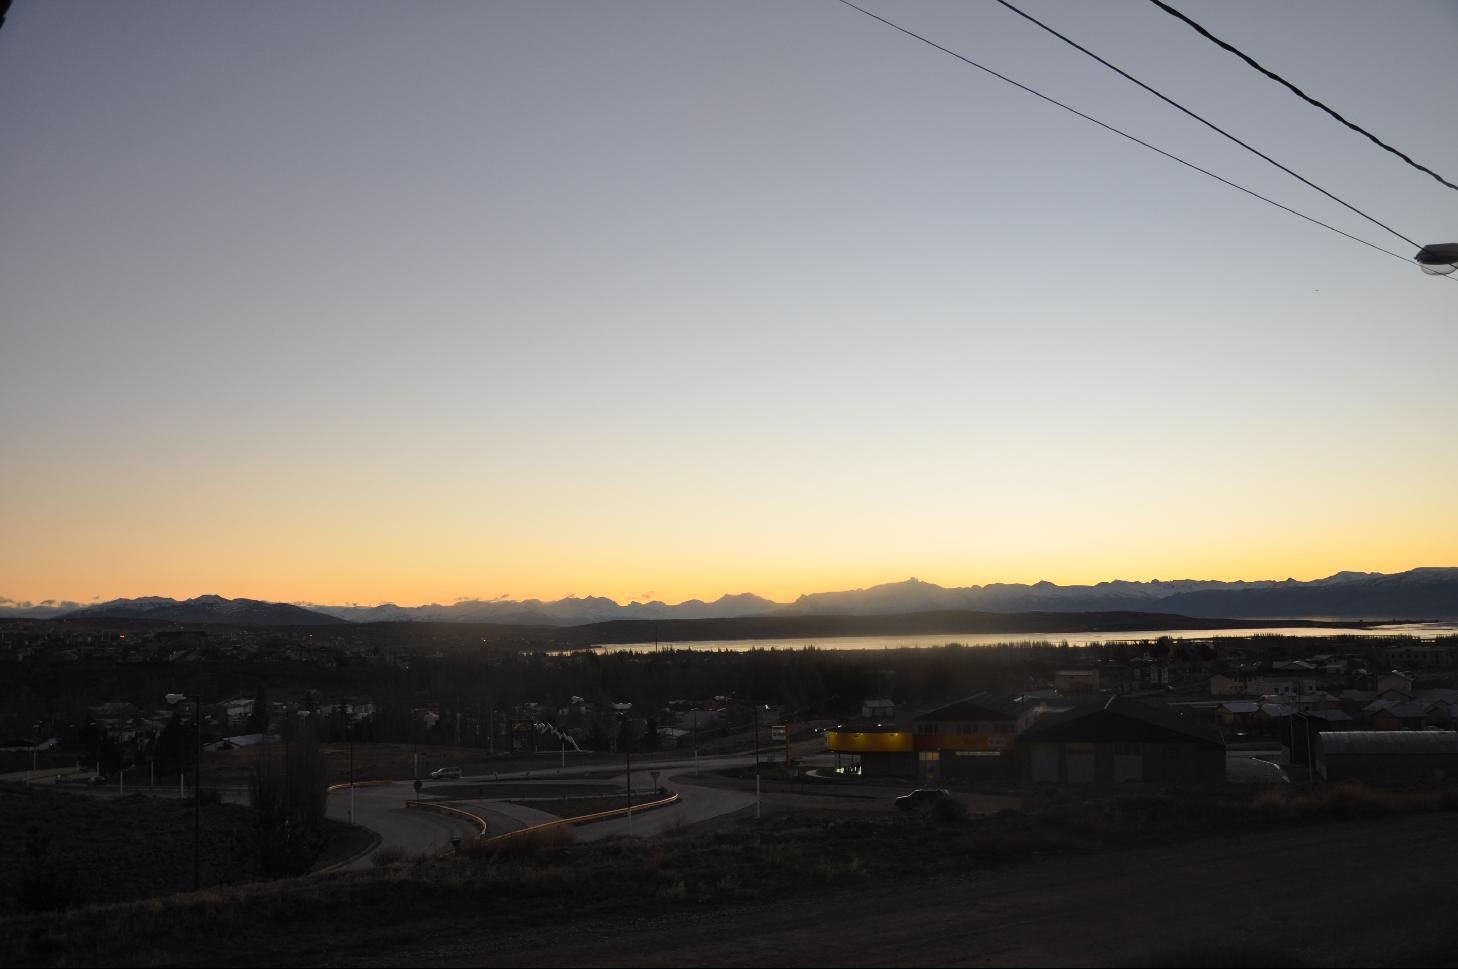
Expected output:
{"points": [[923, 797]]}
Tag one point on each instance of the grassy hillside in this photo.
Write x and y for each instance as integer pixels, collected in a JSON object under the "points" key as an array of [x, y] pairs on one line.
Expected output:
{"points": [[60, 849]]}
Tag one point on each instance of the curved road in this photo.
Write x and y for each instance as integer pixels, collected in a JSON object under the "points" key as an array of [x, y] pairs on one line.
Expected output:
{"points": [[382, 809]]}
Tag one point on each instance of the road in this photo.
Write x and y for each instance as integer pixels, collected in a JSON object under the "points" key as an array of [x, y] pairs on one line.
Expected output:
{"points": [[697, 803], [382, 809]]}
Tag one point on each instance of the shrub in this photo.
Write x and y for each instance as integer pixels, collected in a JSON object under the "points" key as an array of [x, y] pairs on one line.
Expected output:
{"points": [[386, 857], [949, 810], [43, 885], [1222, 954]]}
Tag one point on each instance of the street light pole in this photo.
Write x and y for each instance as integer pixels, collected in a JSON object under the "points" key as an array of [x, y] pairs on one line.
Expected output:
{"points": [[628, 757], [196, 786], [349, 736]]}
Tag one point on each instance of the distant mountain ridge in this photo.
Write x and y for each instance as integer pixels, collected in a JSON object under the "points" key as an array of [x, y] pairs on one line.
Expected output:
{"points": [[210, 608], [1424, 593]]}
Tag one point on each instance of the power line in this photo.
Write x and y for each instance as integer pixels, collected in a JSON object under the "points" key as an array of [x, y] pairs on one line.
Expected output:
{"points": [[1297, 91], [1209, 124], [1123, 134]]}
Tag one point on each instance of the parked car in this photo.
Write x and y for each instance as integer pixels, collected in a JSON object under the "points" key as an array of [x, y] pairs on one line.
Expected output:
{"points": [[446, 774], [922, 797]]}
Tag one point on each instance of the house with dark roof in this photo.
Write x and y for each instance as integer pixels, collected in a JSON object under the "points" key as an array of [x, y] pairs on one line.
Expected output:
{"points": [[1299, 741], [1116, 740], [971, 739]]}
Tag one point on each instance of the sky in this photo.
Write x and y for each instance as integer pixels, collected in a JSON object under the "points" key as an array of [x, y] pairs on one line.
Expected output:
{"points": [[350, 302]]}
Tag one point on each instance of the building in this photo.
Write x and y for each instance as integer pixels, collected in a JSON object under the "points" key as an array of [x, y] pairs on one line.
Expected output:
{"points": [[1388, 756], [1116, 740], [1396, 685], [969, 740], [1239, 715], [873, 749], [1234, 684], [882, 708], [1076, 681], [1299, 740], [1422, 656], [1412, 715]]}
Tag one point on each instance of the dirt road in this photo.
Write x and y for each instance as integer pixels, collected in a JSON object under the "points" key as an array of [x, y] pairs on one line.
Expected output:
{"points": [[1355, 893]]}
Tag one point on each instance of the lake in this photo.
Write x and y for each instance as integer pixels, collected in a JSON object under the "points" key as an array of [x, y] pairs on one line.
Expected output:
{"points": [[1417, 630]]}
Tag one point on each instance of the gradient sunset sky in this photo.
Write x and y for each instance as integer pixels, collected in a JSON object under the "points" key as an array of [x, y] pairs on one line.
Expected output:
{"points": [[349, 302]]}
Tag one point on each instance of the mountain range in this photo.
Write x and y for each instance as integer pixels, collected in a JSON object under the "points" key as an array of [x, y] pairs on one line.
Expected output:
{"points": [[1425, 593]]}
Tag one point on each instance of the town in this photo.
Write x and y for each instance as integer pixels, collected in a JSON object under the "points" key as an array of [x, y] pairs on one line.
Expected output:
{"points": [[423, 687]]}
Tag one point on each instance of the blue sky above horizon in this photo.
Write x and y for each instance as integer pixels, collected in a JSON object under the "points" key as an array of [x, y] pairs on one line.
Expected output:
{"points": [[333, 302]]}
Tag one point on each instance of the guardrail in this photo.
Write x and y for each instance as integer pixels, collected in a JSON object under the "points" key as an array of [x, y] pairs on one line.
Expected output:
{"points": [[456, 812], [584, 819], [345, 786], [374, 843]]}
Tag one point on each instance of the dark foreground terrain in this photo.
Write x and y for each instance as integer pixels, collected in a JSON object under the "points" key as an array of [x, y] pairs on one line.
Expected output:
{"points": [[1225, 876], [64, 848], [1373, 893]]}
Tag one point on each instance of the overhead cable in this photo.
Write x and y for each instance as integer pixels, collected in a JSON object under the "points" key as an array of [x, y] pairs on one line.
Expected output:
{"points": [[1122, 134], [1209, 124], [1297, 91]]}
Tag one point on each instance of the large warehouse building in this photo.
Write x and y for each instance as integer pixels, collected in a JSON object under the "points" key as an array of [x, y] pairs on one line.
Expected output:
{"points": [[1116, 740], [1388, 756]]}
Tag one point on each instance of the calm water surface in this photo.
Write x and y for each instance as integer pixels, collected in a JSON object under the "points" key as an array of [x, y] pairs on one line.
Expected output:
{"points": [[1426, 631]]}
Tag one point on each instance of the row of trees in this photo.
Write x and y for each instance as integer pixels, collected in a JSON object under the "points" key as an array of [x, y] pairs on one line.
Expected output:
{"points": [[288, 788]]}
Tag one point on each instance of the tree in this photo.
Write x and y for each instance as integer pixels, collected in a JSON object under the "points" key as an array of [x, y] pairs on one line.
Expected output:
{"points": [[290, 794], [258, 718]]}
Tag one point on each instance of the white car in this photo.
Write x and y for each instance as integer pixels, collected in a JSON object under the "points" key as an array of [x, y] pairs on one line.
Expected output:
{"points": [[446, 774]]}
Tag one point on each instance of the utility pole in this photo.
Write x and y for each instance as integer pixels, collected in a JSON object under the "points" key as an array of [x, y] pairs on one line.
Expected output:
{"points": [[349, 738], [628, 757], [197, 801], [196, 784], [754, 714]]}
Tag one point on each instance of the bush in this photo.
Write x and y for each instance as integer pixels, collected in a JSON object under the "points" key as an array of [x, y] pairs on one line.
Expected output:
{"points": [[386, 857], [1222, 954], [949, 810], [517, 847], [1352, 801], [43, 885]]}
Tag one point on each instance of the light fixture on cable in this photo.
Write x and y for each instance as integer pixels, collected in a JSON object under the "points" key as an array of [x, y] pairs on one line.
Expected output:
{"points": [[1438, 260]]}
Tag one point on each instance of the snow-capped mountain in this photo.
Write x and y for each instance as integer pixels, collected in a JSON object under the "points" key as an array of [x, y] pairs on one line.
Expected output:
{"points": [[1425, 593]]}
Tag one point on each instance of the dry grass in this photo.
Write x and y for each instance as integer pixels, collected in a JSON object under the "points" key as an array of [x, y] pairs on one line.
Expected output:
{"points": [[785, 854], [1353, 801]]}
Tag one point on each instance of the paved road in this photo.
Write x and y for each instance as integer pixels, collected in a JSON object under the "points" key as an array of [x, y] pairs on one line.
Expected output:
{"points": [[382, 809], [696, 804]]}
